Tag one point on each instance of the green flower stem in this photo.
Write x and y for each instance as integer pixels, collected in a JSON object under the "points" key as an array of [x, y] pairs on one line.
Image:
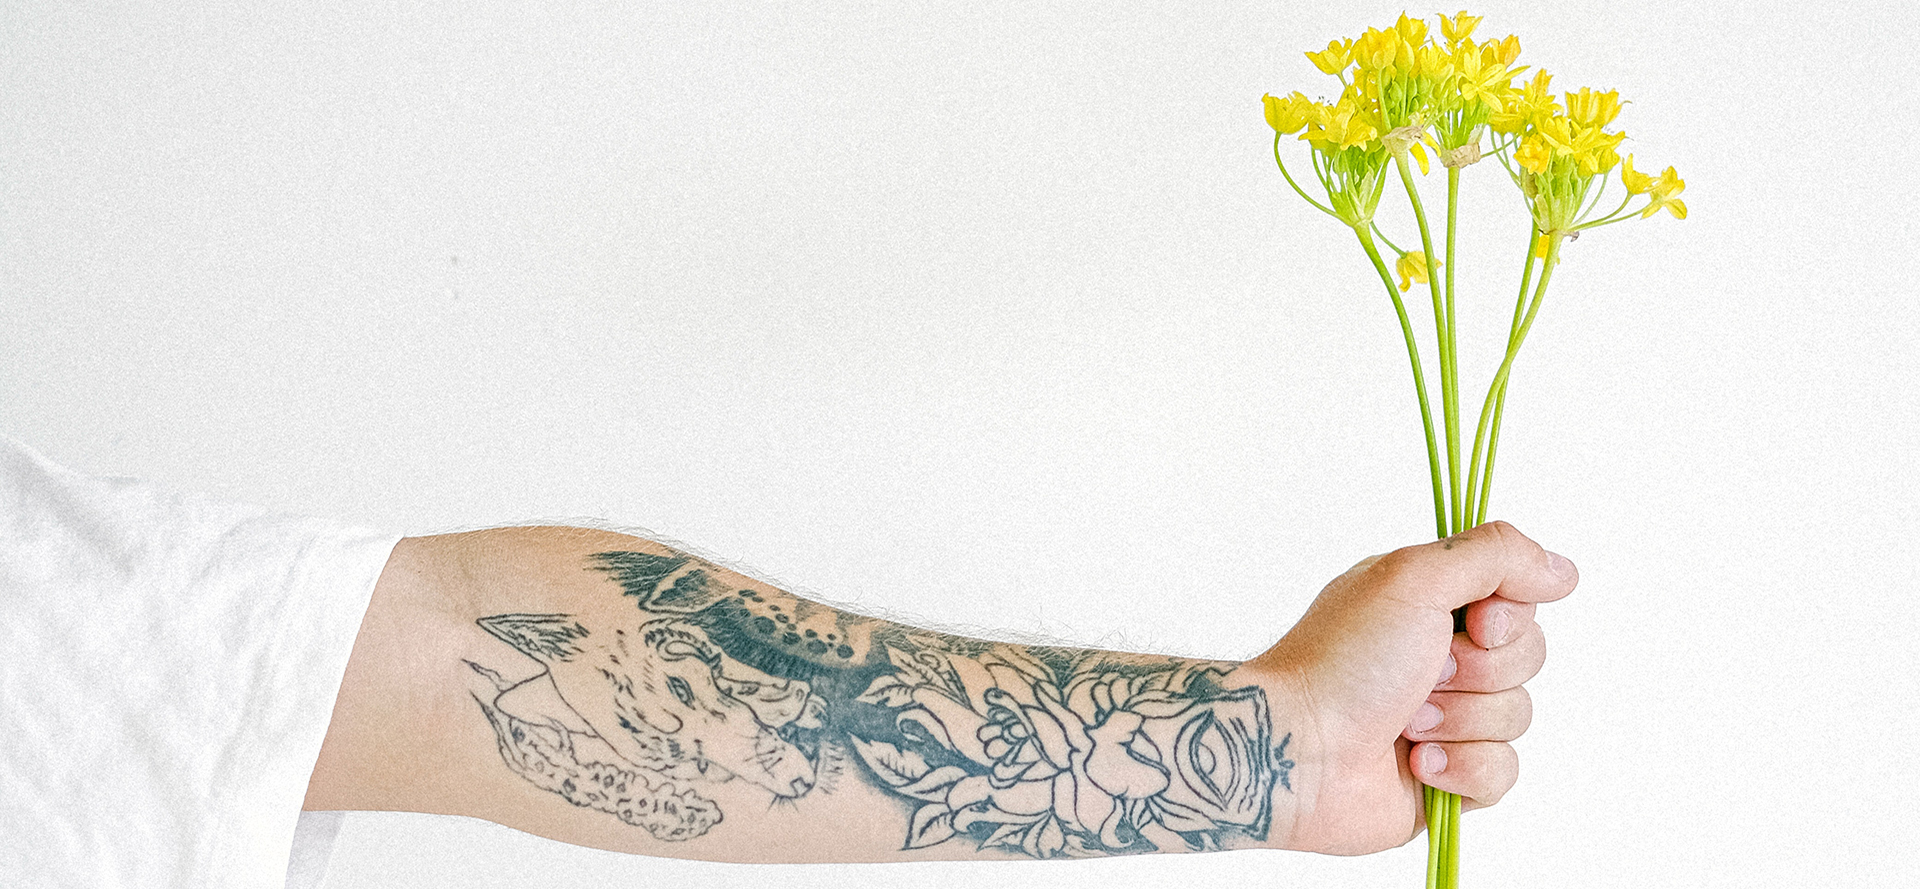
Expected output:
{"points": [[1443, 849], [1419, 376], [1296, 185], [1452, 369], [1443, 839], [1500, 402], [1513, 349], [1451, 858], [1384, 239], [1493, 446], [1449, 399], [1433, 831], [1611, 218]]}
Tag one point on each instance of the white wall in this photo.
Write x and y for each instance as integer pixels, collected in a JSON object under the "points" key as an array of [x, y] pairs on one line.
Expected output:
{"points": [[999, 315]]}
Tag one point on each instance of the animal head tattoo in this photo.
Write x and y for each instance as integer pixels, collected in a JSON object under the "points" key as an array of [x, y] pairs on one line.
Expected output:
{"points": [[663, 697]]}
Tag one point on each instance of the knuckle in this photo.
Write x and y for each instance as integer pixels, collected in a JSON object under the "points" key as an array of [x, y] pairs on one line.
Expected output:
{"points": [[1510, 534], [1398, 571], [1512, 543], [1396, 562]]}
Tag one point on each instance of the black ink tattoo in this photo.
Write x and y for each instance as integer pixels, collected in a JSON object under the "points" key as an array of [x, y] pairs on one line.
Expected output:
{"points": [[1057, 754], [1050, 752], [550, 754], [1282, 766]]}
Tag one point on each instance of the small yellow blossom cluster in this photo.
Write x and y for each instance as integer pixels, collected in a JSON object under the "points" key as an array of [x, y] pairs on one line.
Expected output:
{"points": [[1404, 91], [1562, 150]]}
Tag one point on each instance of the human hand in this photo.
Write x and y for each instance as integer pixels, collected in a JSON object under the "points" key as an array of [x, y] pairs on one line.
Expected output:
{"points": [[1391, 698]]}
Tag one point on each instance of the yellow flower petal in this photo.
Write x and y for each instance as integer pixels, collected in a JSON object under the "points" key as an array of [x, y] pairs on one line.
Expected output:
{"points": [[1669, 183], [1376, 49], [1509, 49], [1412, 268], [1674, 206], [1536, 96], [1413, 32], [1287, 115], [1663, 190], [1534, 154], [1555, 132], [1591, 108], [1433, 62], [1334, 59], [1459, 28], [1635, 181]]}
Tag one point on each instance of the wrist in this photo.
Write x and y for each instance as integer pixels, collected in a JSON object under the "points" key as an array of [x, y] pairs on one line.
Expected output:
{"points": [[1292, 764]]}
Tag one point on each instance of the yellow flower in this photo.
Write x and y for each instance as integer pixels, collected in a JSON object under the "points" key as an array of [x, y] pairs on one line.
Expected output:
{"points": [[1433, 62], [1556, 131], [1538, 95], [1338, 129], [1482, 77], [1403, 54], [1413, 269], [1290, 114], [1669, 183], [1359, 96], [1534, 155], [1459, 28], [1507, 50], [1664, 190], [1635, 181], [1533, 101], [1601, 157], [1376, 50], [1593, 109], [1334, 59], [1413, 32]]}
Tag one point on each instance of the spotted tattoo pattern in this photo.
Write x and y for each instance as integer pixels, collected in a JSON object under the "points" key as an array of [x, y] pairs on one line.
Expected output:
{"points": [[1042, 751]]}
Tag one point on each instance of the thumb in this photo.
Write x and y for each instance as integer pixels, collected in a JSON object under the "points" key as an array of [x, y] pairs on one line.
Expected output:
{"points": [[1486, 560]]}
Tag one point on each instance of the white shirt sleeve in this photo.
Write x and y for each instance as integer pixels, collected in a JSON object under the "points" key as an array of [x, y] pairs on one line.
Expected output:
{"points": [[168, 666]]}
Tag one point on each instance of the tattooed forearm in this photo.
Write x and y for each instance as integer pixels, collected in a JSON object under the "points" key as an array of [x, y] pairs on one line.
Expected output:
{"points": [[1042, 751]]}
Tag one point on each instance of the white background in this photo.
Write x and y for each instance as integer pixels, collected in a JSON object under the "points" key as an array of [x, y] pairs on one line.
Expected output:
{"points": [[999, 315]]}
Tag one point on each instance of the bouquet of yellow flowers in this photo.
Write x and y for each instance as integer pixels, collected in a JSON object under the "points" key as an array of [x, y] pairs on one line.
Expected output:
{"points": [[1404, 94]]}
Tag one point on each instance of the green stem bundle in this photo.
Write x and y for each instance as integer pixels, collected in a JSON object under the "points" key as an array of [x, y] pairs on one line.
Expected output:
{"points": [[1456, 510]]}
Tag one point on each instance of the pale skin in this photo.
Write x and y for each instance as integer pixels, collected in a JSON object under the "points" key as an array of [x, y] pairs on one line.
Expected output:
{"points": [[853, 749]]}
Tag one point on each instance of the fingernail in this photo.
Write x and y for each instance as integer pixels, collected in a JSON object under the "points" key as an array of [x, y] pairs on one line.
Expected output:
{"points": [[1433, 760], [1451, 668], [1425, 718], [1500, 628], [1559, 565]]}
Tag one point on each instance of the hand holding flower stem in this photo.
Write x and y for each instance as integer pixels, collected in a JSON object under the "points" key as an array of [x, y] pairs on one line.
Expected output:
{"points": [[1398, 90]]}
